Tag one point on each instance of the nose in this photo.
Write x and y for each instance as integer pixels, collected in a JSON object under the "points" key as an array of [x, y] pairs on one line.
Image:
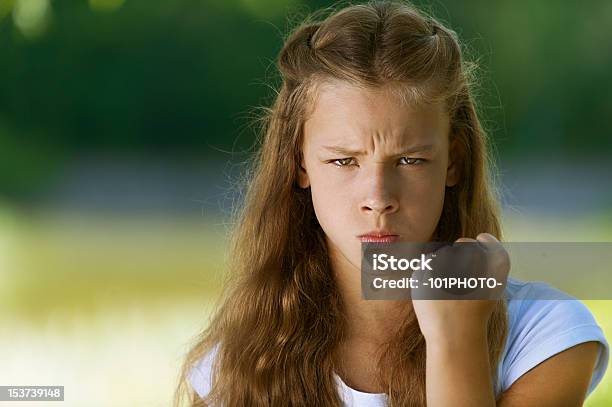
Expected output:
{"points": [[380, 197]]}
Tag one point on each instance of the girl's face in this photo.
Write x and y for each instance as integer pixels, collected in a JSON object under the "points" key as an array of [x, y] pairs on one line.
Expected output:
{"points": [[373, 163]]}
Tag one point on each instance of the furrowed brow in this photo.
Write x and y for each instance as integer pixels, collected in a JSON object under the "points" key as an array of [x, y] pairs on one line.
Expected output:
{"points": [[418, 149], [343, 151], [353, 153]]}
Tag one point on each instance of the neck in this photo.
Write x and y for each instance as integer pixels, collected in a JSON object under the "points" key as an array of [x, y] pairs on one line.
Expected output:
{"points": [[369, 322]]}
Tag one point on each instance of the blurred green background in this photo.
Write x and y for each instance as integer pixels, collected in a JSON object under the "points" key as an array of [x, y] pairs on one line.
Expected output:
{"points": [[123, 124]]}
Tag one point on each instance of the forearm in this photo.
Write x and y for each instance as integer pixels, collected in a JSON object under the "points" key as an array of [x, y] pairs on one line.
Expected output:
{"points": [[458, 371]]}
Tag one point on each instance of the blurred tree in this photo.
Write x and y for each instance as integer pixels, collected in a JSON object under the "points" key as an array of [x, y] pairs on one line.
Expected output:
{"points": [[158, 76]]}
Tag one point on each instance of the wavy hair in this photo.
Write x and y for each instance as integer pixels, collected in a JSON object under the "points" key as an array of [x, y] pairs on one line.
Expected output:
{"points": [[281, 318]]}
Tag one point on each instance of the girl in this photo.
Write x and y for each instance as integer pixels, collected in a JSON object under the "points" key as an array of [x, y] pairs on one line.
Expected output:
{"points": [[374, 135]]}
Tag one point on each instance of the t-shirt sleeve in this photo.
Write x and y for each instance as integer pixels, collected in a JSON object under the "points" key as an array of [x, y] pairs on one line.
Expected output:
{"points": [[542, 328], [200, 374]]}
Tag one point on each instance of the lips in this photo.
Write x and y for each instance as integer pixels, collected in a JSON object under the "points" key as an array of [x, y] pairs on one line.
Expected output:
{"points": [[379, 237]]}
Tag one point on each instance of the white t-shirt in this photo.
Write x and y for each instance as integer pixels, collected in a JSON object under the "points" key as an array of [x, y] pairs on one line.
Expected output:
{"points": [[537, 330]]}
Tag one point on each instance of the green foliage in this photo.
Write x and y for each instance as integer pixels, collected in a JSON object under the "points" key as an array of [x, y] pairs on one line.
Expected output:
{"points": [[170, 77]]}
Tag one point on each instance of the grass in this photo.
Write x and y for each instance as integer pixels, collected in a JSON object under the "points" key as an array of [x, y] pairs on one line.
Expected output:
{"points": [[108, 307]]}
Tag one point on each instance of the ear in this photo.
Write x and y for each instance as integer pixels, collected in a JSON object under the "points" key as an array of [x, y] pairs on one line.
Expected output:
{"points": [[452, 171], [303, 180]]}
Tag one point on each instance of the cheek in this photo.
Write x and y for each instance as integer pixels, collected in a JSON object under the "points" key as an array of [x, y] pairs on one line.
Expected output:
{"points": [[334, 210], [428, 190], [422, 199], [430, 205], [330, 205]]}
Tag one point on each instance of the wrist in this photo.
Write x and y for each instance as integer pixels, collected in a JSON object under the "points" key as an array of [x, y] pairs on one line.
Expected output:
{"points": [[462, 339]]}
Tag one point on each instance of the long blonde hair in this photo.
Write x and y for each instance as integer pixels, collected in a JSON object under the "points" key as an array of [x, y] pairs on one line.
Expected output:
{"points": [[281, 317]]}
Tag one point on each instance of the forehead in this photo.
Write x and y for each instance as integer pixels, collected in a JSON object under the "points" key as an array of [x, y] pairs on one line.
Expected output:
{"points": [[342, 110]]}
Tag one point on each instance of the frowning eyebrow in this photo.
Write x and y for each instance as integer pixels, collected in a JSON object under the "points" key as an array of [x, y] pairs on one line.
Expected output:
{"points": [[352, 153]]}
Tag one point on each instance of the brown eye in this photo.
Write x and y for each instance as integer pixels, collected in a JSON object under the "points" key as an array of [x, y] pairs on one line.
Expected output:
{"points": [[412, 161], [342, 162]]}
